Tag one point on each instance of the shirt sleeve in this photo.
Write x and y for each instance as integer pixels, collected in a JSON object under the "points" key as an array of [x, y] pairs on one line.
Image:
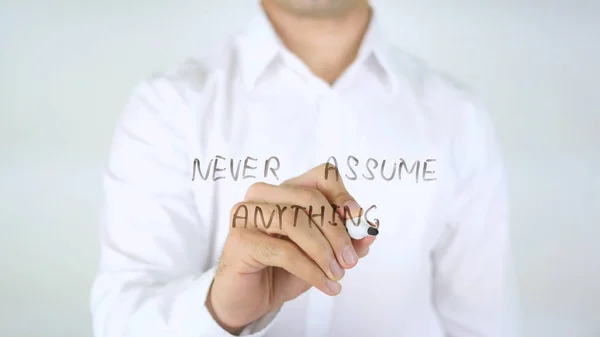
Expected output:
{"points": [[473, 278], [155, 265]]}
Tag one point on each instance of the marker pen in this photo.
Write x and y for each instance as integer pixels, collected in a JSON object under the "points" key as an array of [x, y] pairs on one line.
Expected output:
{"points": [[359, 228]]}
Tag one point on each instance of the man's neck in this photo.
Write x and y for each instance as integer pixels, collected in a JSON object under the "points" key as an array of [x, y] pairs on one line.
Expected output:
{"points": [[326, 45]]}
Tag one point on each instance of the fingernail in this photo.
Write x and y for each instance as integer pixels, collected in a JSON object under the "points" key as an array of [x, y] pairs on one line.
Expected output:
{"points": [[334, 287], [352, 207], [349, 255], [336, 269]]}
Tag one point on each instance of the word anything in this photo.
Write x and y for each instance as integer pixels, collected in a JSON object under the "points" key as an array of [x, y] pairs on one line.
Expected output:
{"points": [[242, 214]]}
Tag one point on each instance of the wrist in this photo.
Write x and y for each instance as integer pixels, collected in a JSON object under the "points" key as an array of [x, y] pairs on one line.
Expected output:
{"points": [[217, 315]]}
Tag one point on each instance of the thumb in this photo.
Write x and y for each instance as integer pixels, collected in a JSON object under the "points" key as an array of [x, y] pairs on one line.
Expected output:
{"points": [[347, 207]]}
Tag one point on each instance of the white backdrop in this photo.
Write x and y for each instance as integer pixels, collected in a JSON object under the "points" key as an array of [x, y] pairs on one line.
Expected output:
{"points": [[67, 67]]}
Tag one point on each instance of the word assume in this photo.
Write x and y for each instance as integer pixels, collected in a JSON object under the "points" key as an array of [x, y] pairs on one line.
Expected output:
{"points": [[308, 211], [214, 169]]}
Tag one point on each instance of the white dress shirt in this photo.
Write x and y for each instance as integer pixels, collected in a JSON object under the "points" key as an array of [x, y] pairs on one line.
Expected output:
{"points": [[439, 265]]}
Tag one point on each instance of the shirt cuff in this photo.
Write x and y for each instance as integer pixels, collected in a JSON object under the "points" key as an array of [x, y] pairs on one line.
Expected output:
{"points": [[201, 322]]}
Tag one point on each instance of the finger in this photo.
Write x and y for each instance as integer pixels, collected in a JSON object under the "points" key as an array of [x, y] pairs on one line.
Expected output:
{"points": [[294, 286], [318, 209], [270, 251], [327, 180], [293, 222], [362, 246]]}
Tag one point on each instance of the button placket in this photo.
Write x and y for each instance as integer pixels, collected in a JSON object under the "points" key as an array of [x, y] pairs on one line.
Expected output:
{"points": [[329, 127]]}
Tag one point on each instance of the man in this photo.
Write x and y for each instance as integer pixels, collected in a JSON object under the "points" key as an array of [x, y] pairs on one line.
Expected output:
{"points": [[219, 216]]}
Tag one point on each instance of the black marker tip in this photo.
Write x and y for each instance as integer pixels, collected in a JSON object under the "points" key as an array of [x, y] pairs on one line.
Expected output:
{"points": [[372, 231]]}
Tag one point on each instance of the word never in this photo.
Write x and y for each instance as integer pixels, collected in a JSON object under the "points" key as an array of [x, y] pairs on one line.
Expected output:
{"points": [[308, 211], [235, 173]]}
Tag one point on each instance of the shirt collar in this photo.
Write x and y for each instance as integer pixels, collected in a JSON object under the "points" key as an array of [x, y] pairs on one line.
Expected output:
{"points": [[259, 45]]}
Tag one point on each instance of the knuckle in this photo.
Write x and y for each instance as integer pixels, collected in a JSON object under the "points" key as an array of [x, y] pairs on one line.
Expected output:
{"points": [[331, 211], [239, 216], [235, 208], [288, 219], [325, 166], [235, 238], [325, 254], [287, 253], [255, 190], [318, 248], [329, 169], [269, 249], [315, 235], [308, 195], [341, 197]]}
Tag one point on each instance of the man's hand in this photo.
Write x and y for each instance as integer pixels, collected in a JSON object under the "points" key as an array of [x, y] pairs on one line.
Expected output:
{"points": [[263, 266]]}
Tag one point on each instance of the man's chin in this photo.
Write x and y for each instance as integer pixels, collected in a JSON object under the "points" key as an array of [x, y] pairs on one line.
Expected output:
{"points": [[319, 8]]}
